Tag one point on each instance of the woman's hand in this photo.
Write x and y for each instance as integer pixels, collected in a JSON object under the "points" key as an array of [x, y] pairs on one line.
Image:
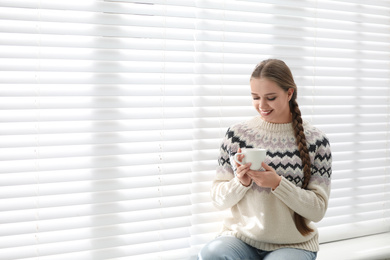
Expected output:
{"points": [[267, 179], [242, 170]]}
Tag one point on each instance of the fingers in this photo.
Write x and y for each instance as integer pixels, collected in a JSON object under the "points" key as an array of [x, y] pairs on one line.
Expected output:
{"points": [[253, 174], [243, 169], [267, 179], [268, 168]]}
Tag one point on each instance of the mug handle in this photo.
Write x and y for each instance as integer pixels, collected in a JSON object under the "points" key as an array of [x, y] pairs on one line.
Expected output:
{"points": [[236, 159]]}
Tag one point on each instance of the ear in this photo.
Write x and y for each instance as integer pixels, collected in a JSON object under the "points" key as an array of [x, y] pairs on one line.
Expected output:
{"points": [[290, 93]]}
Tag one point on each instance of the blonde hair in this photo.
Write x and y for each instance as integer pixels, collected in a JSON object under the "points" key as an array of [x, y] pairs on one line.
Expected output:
{"points": [[278, 72]]}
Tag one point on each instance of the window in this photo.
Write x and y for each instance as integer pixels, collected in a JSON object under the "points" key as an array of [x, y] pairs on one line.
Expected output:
{"points": [[112, 113]]}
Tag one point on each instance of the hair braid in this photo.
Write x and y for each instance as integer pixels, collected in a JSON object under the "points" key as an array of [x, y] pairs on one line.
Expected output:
{"points": [[301, 142], [304, 155]]}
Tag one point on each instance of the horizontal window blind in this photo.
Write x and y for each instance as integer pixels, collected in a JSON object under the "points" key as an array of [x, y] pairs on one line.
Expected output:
{"points": [[112, 113]]}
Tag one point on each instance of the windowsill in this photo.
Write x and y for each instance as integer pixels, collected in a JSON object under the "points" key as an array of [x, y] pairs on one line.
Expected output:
{"points": [[374, 247]]}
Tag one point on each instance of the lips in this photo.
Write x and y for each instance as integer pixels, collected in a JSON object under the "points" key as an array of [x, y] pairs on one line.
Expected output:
{"points": [[265, 112]]}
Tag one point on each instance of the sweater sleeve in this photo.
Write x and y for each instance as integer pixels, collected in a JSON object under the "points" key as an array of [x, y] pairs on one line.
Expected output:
{"points": [[226, 189], [313, 202]]}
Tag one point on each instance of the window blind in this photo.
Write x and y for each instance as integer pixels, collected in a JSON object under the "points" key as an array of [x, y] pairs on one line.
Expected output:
{"points": [[112, 114]]}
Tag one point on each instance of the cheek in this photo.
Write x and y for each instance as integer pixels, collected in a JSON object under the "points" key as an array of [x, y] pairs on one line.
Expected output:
{"points": [[283, 106]]}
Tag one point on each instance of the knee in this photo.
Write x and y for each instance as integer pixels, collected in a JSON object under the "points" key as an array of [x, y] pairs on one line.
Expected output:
{"points": [[210, 252]]}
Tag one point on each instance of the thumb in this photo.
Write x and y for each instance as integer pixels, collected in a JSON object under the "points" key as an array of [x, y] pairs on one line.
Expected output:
{"points": [[266, 167]]}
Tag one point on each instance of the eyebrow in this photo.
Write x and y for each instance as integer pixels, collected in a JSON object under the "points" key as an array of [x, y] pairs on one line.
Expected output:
{"points": [[269, 94]]}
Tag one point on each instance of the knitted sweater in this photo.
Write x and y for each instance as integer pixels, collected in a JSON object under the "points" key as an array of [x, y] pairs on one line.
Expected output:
{"points": [[262, 217]]}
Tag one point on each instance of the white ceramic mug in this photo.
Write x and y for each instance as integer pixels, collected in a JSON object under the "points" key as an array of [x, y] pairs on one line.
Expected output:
{"points": [[255, 156]]}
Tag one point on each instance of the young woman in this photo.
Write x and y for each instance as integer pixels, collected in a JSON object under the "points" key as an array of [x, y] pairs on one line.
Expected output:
{"points": [[272, 209]]}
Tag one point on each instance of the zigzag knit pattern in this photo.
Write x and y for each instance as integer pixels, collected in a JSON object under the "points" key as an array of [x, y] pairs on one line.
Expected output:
{"points": [[282, 151]]}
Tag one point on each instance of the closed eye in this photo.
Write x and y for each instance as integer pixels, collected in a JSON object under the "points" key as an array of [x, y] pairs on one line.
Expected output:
{"points": [[269, 99]]}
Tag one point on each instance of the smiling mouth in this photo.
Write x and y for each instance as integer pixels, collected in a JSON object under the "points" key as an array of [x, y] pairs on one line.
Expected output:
{"points": [[265, 112]]}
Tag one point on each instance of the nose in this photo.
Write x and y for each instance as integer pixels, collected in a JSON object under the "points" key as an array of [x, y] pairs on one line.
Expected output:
{"points": [[263, 104]]}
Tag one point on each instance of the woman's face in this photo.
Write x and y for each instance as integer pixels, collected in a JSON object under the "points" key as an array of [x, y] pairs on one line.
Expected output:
{"points": [[271, 101]]}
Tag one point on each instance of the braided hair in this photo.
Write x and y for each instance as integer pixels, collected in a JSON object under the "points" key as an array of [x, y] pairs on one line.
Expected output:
{"points": [[278, 72]]}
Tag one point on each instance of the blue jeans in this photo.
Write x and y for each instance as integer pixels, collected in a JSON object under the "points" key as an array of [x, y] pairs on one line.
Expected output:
{"points": [[232, 248]]}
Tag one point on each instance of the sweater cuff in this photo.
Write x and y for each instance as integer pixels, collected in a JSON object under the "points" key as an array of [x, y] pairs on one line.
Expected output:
{"points": [[284, 189], [240, 186]]}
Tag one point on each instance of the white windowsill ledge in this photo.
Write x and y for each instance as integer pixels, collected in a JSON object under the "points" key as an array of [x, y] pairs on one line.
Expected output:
{"points": [[374, 247]]}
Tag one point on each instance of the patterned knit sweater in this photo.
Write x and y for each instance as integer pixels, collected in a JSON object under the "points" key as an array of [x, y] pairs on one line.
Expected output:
{"points": [[261, 217]]}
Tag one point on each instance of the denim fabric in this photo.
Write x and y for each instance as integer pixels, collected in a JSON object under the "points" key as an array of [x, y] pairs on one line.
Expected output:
{"points": [[232, 248]]}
